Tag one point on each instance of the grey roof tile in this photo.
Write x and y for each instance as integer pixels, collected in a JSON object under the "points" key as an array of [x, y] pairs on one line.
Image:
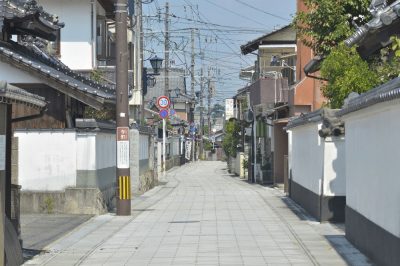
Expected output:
{"points": [[50, 69], [384, 93]]}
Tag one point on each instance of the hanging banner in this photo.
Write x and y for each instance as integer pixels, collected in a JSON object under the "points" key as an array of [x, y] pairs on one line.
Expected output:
{"points": [[188, 148]]}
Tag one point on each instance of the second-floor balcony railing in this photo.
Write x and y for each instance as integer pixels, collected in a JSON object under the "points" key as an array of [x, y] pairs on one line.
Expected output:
{"points": [[269, 89]]}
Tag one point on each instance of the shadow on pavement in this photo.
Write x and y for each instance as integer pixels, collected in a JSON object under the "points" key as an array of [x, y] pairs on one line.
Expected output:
{"points": [[40, 230], [347, 251], [301, 213], [343, 247], [30, 253]]}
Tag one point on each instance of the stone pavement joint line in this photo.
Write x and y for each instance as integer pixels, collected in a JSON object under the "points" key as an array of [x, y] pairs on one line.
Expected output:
{"points": [[205, 216]]}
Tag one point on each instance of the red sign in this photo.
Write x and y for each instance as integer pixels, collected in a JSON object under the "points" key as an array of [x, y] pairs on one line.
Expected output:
{"points": [[122, 133], [163, 102]]}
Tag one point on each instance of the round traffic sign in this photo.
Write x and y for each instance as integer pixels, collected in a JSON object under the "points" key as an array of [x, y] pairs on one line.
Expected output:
{"points": [[163, 102], [163, 113], [172, 112]]}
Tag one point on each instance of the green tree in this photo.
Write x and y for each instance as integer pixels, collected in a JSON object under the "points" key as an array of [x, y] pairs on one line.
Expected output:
{"points": [[396, 46], [107, 113], [323, 28], [231, 138], [347, 73], [218, 108], [326, 23]]}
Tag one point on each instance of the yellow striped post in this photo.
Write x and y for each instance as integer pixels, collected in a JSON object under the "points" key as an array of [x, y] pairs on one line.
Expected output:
{"points": [[124, 187]]}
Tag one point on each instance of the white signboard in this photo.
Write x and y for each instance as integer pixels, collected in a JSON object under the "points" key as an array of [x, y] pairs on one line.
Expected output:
{"points": [[188, 150], [123, 154], [229, 110], [122, 147]]}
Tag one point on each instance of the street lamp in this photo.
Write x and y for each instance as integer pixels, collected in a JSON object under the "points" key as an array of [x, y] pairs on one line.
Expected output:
{"points": [[148, 79], [156, 64], [175, 93]]}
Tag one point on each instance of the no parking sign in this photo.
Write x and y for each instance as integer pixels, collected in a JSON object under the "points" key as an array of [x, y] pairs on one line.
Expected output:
{"points": [[163, 113]]}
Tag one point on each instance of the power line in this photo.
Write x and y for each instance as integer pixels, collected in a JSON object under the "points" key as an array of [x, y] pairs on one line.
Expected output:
{"points": [[206, 23], [235, 13], [212, 29], [262, 11], [223, 41]]}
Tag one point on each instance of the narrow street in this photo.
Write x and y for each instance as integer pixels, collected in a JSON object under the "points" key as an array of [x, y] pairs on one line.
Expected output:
{"points": [[201, 215]]}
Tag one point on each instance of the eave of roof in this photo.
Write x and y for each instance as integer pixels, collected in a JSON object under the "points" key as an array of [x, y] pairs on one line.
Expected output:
{"points": [[13, 94], [384, 93], [254, 44], [28, 19], [108, 6], [56, 75], [93, 124], [304, 119]]}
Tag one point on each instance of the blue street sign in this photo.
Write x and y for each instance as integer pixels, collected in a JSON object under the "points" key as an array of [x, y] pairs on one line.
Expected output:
{"points": [[163, 113]]}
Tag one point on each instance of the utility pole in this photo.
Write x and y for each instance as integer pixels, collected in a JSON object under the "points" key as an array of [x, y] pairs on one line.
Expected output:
{"points": [[192, 65], [166, 50], [122, 110], [209, 104], [139, 31], [201, 113], [192, 89]]}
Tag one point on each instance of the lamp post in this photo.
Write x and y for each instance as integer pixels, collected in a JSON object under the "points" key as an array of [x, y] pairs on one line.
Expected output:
{"points": [[156, 64], [174, 94]]}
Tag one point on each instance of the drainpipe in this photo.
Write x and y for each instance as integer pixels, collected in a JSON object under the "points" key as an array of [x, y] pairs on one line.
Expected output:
{"points": [[322, 179], [92, 37], [254, 146], [254, 137]]}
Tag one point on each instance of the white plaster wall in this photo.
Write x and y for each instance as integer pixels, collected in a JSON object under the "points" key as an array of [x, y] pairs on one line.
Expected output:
{"points": [[144, 147], [334, 167], [85, 154], [14, 75], [307, 157], [372, 167], [290, 151], [237, 164], [159, 157], [174, 144], [134, 154], [76, 36], [106, 150], [47, 160]]}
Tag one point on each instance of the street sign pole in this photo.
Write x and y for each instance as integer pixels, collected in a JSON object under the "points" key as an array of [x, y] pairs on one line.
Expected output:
{"points": [[163, 103], [123, 178], [164, 137]]}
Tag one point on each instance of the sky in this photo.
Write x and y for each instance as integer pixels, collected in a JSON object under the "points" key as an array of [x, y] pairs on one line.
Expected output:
{"points": [[222, 27]]}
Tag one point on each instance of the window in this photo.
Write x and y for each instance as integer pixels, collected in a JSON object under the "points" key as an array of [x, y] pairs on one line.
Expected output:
{"points": [[101, 38], [105, 41]]}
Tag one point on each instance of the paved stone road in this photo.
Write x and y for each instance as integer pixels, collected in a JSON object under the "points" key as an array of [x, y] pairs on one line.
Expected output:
{"points": [[204, 216], [40, 230]]}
